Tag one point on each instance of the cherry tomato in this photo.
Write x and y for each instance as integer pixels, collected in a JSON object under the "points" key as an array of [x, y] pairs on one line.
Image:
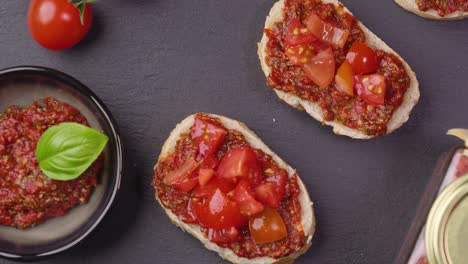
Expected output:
{"points": [[371, 88], [208, 136], [267, 227], [344, 80], [300, 54], [244, 197], [298, 34], [240, 162], [362, 58], [225, 185], [182, 177], [224, 236], [218, 212], [56, 25], [321, 68], [205, 175], [328, 33]]}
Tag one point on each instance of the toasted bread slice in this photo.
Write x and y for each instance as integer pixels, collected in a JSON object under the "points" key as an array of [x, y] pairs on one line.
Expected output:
{"points": [[307, 211], [400, 115], [411, 6]]}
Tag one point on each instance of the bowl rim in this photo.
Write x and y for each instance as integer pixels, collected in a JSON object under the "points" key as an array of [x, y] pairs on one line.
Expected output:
{"points": [[87, 92]]}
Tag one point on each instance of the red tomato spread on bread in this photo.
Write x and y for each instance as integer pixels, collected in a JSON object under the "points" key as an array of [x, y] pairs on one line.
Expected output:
{"points": [[238, 195], [319, 53]]}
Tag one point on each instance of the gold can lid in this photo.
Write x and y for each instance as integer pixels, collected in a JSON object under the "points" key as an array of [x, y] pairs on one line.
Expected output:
{"points": [[446, 232]]}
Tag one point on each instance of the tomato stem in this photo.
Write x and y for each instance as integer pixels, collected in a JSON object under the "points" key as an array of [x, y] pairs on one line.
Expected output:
{"points": [[81, 5]]}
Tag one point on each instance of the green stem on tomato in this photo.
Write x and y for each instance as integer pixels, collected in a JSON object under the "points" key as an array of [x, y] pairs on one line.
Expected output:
{"points": [[81, 5]]}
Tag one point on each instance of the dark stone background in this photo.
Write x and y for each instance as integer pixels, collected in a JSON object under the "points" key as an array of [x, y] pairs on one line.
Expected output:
{"points": [[155, 61]]}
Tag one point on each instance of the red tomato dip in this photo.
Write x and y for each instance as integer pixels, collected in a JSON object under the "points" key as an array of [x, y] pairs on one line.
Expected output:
{"points": [[27, 196], [443, 7], [188, 203], [369, 115]]}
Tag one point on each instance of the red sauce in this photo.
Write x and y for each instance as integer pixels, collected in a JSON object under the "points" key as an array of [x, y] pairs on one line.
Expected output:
{"points": [[443, 7], [351, 111], [177, 201], [27, 196]]}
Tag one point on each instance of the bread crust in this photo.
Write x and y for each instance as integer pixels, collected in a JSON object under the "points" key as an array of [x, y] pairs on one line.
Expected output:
{"points": [[411, 6], [400, 115], [307, 211]]}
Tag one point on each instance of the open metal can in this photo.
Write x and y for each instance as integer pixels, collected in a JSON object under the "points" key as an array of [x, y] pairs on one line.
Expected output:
{"points": [[439, 233]]}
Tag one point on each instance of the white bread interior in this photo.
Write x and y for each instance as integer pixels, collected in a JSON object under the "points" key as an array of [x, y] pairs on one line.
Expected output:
{"points": [[308, 217], [411, 6], [400, 115]]}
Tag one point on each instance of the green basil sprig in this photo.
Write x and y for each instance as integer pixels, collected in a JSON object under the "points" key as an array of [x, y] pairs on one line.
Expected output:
{"points": [[67, 150]]}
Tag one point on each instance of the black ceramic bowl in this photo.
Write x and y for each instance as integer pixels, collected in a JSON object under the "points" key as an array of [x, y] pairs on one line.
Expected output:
{"points": [[21, 86]]}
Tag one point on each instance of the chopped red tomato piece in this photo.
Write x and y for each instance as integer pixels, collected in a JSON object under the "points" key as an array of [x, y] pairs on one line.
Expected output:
{"points": [[187, 184], [218, 212], [362, 58], [224, 236], [371, 88], [344, 81], [267, 227], [225, 185], [240, 162], [204, 176], [208, 136], [328, 33], [298, 34], [300, 54], [272, 191], [266, 193], [182, 176], [279, 179], [245, 198], [321, 68], [210, 162]]}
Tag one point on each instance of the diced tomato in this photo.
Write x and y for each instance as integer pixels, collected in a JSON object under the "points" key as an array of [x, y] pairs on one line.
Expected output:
{"points": [[298, 34], [218, 212], [344, 80], [371, 88], [225, 185], [245, 198], [300, 54], [210, 162], [362, 58], [224, 236], [267, 227], [204, 176], [321, 68], [187, 184], [328, 33], [279, 179], [208, 136], [266, 193], [182, 177], [240, 162]]}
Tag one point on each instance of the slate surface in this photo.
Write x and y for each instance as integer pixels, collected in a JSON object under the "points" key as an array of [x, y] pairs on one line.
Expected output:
{"points": [[155, 61]]}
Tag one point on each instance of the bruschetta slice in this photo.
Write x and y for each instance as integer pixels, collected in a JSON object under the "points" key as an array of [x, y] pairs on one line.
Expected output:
{"points": [[218, 181], [437, 9], [319, 58]]}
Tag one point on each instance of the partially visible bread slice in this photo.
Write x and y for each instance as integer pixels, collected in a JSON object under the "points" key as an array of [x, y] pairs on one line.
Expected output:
{"points": [[307, 211], [400, 116], [411, 6]]}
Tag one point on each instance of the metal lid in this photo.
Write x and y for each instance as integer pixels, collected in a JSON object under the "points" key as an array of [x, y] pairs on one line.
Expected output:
{"points": [[447, 225]]}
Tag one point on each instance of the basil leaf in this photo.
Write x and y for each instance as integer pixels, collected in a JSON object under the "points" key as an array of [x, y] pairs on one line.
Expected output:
{"points": [[67, 150]]}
